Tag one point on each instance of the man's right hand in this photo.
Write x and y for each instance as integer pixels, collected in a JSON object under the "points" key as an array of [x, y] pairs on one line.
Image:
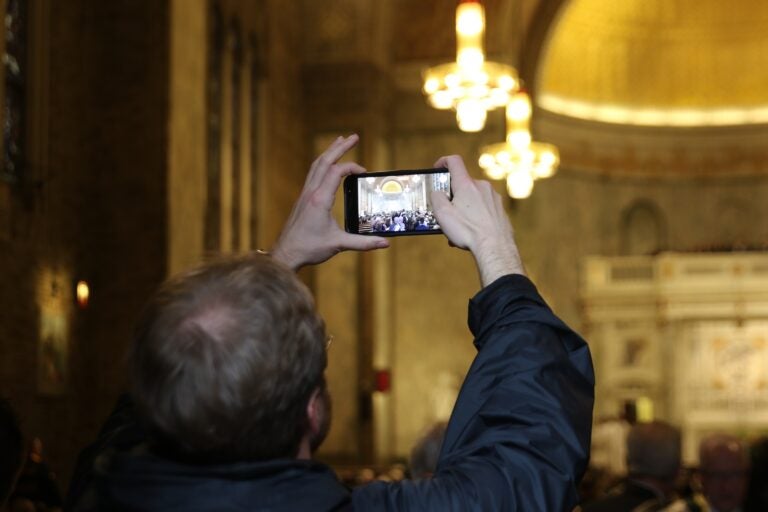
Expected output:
{"points": [[475, 220]]}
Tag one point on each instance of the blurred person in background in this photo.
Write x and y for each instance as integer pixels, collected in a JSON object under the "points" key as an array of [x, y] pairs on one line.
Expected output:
{"points": [[11, 447], [723, 474], [653, 462], [37, 487]]}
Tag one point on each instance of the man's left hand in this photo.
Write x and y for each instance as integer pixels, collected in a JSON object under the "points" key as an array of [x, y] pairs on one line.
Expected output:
{"points": [[311, 235]]}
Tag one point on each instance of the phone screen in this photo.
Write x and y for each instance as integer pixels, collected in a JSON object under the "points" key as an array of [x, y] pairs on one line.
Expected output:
{"points": [[395, 202]]}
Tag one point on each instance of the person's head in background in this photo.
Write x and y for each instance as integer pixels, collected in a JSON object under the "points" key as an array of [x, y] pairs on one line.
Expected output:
{"points": [[11, 448], [425, 452], [653, 455], [723, 469]]}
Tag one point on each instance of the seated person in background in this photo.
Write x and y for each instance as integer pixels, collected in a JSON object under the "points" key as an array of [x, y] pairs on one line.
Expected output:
{"points": [[425, 452], [653, 461], [723, 473], [365, 225], [230, 398], [10, 451], [397, 224]]}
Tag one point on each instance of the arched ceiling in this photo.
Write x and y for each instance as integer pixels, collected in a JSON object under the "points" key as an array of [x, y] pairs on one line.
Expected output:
{"points": [[658, 62]]}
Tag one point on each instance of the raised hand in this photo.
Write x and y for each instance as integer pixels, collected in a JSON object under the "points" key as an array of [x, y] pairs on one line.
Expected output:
{"points": [[475, 220], [311, 235]]}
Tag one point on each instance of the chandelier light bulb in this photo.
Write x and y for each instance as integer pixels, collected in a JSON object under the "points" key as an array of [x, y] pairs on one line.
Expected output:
{"points": [[546, 158], [492, 169], [519, 159], [519, 184], [519, 108], [519, 139], [470, 115], [431, 85], [441, 100], [470, 19], [471, 86], [471, 59]]}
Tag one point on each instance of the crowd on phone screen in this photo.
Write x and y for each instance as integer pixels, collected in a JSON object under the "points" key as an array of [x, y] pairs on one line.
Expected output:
{"points": [[402, 220]]}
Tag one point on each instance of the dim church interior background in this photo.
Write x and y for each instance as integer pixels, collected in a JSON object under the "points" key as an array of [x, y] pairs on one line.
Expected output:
{"points": [[149, 134]]}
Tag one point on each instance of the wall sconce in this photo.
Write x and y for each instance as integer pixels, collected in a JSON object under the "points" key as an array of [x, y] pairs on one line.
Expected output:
{"points": [[82, 294]]}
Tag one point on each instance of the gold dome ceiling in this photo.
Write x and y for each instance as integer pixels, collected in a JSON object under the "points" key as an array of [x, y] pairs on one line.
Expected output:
{"points": [[658, 62]]}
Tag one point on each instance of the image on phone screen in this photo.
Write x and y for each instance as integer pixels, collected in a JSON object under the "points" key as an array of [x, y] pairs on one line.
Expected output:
{"points": [[395, 203]]}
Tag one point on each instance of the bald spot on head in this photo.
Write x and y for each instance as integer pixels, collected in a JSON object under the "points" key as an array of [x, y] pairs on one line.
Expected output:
{"points": [[214, 319]]}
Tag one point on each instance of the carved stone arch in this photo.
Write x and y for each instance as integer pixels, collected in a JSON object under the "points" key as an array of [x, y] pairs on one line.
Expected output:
{"points": [[643, 229]]}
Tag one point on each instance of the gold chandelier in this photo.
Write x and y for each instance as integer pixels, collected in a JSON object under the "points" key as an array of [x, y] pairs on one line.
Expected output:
{"points": [[519, 159], [471, 86]]}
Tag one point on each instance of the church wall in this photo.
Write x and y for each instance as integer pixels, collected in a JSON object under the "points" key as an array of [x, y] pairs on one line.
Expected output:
{"points": [[117, 189], [273, 158], [187, 133], [122, 244], [574, 215], [568, 217], [284, 147], [93, 208]]}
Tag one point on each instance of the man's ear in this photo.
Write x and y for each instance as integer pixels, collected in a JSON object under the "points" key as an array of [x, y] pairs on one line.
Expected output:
{"points": [[315, 411]]}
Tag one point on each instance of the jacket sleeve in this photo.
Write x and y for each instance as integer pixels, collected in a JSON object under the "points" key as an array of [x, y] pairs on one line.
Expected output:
{"points": [[519, 435]]}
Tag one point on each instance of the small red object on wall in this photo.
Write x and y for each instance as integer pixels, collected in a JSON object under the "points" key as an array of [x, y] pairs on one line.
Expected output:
{"points": [[383, 381]]}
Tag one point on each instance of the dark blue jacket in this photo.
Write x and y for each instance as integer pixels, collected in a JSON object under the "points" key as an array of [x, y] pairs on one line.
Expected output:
{"points": [[518, 438], [519, 435]]}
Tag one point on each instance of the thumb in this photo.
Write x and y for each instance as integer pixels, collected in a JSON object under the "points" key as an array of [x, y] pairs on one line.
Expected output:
{"points": [[348, 241]]}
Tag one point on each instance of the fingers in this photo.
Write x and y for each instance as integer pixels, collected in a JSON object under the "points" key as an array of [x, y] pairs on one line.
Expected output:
{"points": [[440, 202], [333, 177], [339, 148], [456, 167], [329, 157]]}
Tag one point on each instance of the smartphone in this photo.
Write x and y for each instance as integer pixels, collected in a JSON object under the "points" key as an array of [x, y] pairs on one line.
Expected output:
{"points": [[393, 203]]}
